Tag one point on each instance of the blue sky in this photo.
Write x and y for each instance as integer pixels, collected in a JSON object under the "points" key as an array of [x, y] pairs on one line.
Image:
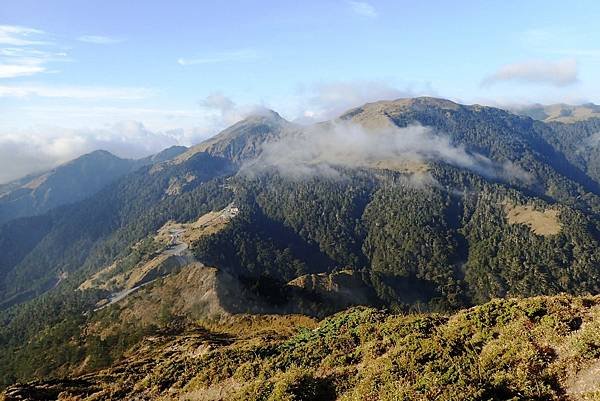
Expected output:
{"points": [[134, 76]]}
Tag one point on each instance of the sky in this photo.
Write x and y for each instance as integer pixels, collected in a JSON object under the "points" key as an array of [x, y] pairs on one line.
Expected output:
{"points": [[134, 77]]}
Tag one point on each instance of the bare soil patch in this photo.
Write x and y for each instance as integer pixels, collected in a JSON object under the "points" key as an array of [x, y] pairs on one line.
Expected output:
{"points": [[540, 222]]}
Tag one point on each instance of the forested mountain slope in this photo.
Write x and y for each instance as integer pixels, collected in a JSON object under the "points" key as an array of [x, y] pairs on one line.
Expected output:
{"points": [[93, 232]]}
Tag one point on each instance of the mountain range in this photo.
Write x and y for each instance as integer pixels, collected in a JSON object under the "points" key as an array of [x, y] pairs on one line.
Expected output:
{"points": [[560, 112], [413, 205], [69, 183]]}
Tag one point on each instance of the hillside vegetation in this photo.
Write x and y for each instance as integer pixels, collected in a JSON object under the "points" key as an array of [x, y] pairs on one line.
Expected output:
{"points": [[543, 348]]}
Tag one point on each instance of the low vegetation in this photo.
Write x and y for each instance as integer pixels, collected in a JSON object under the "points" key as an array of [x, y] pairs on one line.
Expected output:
{"points": [[539, 348], [543, 222]]}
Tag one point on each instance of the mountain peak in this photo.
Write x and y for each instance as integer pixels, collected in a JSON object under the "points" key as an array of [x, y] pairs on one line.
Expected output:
{"points": [[378, 115], [404, 103], [242, 140], [100, 152], [99, 155], [261, 116], [266, 113], [560, 112], [428, 101]]}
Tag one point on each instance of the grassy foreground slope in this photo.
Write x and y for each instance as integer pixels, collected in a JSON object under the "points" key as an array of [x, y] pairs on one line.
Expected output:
{"points": [[542, 348]]}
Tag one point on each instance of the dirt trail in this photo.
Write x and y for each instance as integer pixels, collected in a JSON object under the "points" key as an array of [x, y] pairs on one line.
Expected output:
{"points": [[117, 296], [177, 248], [177, 238]]}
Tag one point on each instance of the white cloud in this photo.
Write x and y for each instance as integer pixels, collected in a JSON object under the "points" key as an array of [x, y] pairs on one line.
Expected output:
{"points": [[319, 149], [27, 53], [21, 59], [234, 55], [75, 92], [99, 40], [363, 8], [19, 35], [49, 142], [556, 73], [218, 101], [27, 151], [60, 135], [16, 70], [228, 112]]}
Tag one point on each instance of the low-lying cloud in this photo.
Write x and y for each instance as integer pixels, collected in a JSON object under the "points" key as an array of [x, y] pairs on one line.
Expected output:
{"points": [[25, 152], [319, 150], [37, 149], [556, 73]]}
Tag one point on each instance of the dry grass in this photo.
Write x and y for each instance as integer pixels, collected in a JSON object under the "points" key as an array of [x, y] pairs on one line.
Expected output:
{"points": [[105, 279], [207, 224], [540, 222], [570, 114], [192, 291], [325, 281], [540, 348], [214, 392], [246, 326]]}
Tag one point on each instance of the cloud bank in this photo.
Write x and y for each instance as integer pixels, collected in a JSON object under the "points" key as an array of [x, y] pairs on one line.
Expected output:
{"points": [[40, 148], [556, 73], [25, 152], [16, 70], [319, 150]]}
